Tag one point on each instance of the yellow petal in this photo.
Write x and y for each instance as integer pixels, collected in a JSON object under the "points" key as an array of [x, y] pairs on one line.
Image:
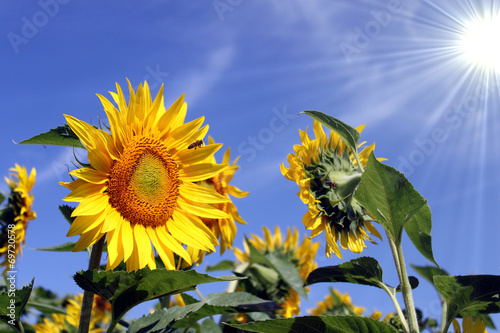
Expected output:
{"points": [[198, 193], [92, 205], [191, 156], [168, 242], [199, 172], [90, 175], [191, 231], [202, 210]]}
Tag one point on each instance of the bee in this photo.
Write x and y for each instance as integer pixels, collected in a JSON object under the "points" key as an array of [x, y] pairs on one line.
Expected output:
{"points": [[196, 144], [331, 184]]}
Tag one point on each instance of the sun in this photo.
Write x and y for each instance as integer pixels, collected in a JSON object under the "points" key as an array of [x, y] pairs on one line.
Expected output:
{"points": [[480, 42]]}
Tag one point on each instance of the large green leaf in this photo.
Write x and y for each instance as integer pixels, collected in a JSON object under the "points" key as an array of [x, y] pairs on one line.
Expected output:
{"points": [[60, 136], [318, 324], [2, 198], [125, 290], [363, 270], [474, 295], [46, 308], [213, 304], [349, 134], [66, 247], [13, 302], [393, 202]]}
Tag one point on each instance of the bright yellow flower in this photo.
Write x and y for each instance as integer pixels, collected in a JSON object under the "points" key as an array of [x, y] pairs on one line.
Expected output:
{"points": [[337, 304], [15, 217], [327, 176], [301, 255], [69, 322], [140, 188], [470, 326], [223, 228]]}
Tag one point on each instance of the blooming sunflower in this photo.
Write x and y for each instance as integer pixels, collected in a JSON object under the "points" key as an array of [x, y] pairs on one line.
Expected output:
{"points": [[327, 176], [15, 217], [223, 228], [139, 188], [302, 256], [69, 322], [470, 326], [337, 304]]}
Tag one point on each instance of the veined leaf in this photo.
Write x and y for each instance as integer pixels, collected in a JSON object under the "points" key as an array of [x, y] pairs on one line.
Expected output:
{"points": [[469, 294], [12, 304], [60, 136], [213, 304], [349, 134], [428, 272], [125, 290], [394, 203], [363, 270], [318, 324]]}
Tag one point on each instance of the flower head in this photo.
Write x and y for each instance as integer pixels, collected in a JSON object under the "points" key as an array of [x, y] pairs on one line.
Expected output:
{"points": [[266, 282], [69, 322], [327, 176], [223, 228], [336, 304], [15, 217], [140, 186], [470, 326]]}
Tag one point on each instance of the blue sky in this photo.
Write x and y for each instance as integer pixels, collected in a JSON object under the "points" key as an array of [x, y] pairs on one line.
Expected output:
{"points": [[250, 68]]}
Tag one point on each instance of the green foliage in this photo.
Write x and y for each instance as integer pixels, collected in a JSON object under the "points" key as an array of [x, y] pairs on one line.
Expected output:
{"points": [[12, 304], [221, 266], [124, 290], [67, 211], [2, 198], [349, 134], [473, 295], [319, 324], [363, 270], [394, 203], [428, 272], [60, 136], [213, 304], [66, 247]]}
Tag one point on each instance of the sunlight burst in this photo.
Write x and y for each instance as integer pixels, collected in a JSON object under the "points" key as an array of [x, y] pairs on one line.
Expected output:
{"points": [[480, 42]]}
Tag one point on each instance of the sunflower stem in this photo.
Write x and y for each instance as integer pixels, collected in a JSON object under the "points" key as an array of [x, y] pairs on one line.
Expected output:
{"points": [[397, 252], [88, 297], [392, 294], [165, 301]]}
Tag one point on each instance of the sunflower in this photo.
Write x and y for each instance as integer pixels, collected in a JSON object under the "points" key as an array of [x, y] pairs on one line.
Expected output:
{"points": [[336, 304], [139, 187], [302, 256], [327, 176], [470, 326], [223, 228], [15, 217], [69, 322]]}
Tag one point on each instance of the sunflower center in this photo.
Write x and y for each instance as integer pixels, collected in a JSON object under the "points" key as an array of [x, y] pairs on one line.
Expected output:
{"points": [[143, 185]]}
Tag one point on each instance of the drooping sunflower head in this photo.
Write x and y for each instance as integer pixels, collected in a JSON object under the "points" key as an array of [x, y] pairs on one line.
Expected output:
{"points": [[223, 228], [265, 281], [141, 189], [327, 176], [18, 212]]}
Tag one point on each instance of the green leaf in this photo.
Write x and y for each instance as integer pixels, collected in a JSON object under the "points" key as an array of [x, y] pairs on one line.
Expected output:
{"points": [[394, 203], [213, 304], [469, 294], [60, 136], [221, 266], [13, 302], [428, 272], [2, 198], [318, 324], [66, 247], [125, 290], [363, 270], [67, 211], [210, 326], [46, 308], [349, 134]]}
